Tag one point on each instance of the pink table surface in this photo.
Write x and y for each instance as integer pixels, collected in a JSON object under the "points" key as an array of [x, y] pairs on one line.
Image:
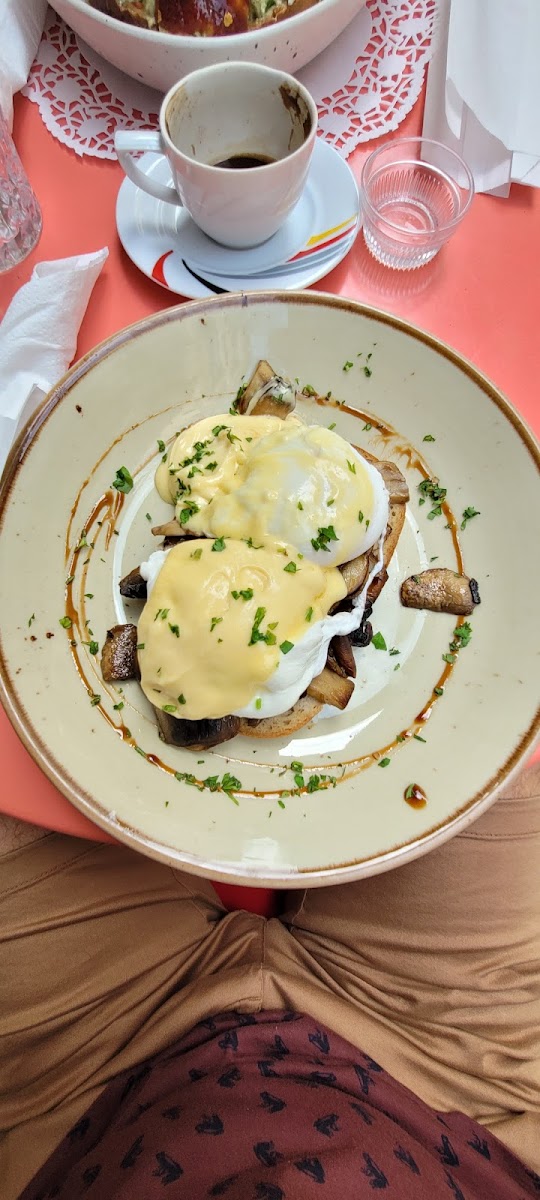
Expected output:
{"points": [[480, 295]]}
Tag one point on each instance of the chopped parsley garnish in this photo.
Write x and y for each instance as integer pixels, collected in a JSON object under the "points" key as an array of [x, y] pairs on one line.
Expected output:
{"points": [[256, 635], [174, 629], [211, 466], [409, 791], [308, 390], [215, 621], [300, 506], [161, 445], [360, 515], [286, 646], [258, 703], [325, 534], [89, 595], [249, 542], [161, 613], [309, 614], [351, 466], [148, 516], [189, 510], [94, 699], [385, 762], [393, 651], [140, 646], [123, 481], [366, 428], [368, 373], [418, 738], [449, 658], [348, 366], [196, 553], [468, 514], [438, 691], [118, 707], [430, 489], [219, 429], [219, 544], [181, 698], [170, 708], [93, 647], [291, 568], [378, 641], [70, 579], [66, 622], [428, 437], [243, 594], [83, 542], [333, 425]]}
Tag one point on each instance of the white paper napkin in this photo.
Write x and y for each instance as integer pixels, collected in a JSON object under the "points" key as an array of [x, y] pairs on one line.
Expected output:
{"points": [[21, 26], [483, 91], [38, 336]]}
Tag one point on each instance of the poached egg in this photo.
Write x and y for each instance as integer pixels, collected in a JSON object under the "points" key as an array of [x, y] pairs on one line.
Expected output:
{"points": [[256, 477]]}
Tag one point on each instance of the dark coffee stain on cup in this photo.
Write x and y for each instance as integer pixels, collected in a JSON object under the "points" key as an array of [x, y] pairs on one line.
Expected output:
{"points": [[298, 109]]}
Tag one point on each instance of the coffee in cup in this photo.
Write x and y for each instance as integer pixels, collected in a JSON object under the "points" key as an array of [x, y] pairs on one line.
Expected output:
{"points": [[238, 138]]}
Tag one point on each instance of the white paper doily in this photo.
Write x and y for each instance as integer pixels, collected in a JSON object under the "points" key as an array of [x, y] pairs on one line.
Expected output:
{"points": [[364, 84]]}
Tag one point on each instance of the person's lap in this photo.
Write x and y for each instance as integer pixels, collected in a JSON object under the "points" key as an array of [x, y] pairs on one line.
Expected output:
{"points": [[107, 957]]}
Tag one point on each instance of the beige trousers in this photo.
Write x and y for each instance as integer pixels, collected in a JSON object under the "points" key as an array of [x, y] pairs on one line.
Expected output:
{"points": [[107, 957]]}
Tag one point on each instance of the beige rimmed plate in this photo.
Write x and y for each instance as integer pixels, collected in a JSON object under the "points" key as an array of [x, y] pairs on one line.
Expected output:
{"points": [[412, 399]]}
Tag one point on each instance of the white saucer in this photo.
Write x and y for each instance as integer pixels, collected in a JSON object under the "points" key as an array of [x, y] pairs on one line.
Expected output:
{"points": [[163, 241]]}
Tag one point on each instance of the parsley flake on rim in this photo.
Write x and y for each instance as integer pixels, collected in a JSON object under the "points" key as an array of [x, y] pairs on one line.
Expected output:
{"points": [[291, 568], [430, 489], [219, 544], [378, 642], [123, 481], [285, 647], [468, 514]]}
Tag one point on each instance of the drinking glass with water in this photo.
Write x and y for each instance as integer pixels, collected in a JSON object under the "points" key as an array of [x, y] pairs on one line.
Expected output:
{"points": [[415, 193]]}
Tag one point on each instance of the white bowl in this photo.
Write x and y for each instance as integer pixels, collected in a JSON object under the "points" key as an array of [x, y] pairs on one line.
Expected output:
{"points": [[159, 59]]}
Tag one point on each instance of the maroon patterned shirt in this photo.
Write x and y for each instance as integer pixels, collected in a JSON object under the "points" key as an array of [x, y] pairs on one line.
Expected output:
{"points": [[273, 1107]]}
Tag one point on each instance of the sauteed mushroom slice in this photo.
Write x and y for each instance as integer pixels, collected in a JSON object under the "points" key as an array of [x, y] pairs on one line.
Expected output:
{"points": [[329, 688], [441, 590], [376, 586], [363, 635], [133, 586], [195, 735], [355, 573], [340, 656], [396, 484], [172, 529], [267, 394], [119, 654]]}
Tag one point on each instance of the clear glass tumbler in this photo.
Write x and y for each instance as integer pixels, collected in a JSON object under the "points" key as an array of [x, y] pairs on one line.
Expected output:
{"points": [[20, 214], [415, 192]]}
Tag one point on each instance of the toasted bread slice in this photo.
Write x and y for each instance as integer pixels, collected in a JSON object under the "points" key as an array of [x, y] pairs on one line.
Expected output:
{"points": [[301, 713]]}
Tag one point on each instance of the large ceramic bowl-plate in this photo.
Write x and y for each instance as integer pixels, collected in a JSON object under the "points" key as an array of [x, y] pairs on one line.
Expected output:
{"points": [[160, 59], [417, 402]]}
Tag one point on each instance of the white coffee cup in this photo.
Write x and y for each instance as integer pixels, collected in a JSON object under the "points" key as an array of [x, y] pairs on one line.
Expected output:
{"points": [[229, 111]]}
